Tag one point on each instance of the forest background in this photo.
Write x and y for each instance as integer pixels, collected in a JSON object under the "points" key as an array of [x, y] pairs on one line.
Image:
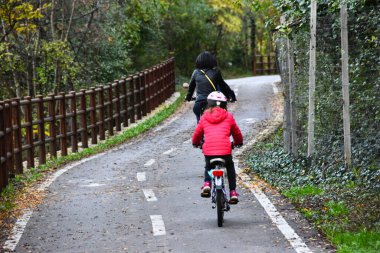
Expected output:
{"points": [[50, 46]]}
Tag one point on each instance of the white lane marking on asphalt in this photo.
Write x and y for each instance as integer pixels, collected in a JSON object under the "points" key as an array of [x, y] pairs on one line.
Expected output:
{"points": [[93, 185], [21, 223], [17, 231], [298, 245], [275, 89], [149, 195], [149, 163], [250, 120], [158, 225], [169, 151], [141, 176], [166, 124], [187, 141]]}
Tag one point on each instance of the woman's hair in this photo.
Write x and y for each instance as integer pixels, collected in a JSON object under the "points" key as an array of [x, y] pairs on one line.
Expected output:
{"points": [[205, 60]]}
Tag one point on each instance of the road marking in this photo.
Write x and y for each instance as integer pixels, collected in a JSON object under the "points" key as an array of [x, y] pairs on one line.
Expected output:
{"points": [[169, 151], [141, 176], [275, 89], [149, 163], [250, 120], [298, 245], [93, 185], [21, 223], [158, 225], [149, 195], [187, 141], [17, 231]]}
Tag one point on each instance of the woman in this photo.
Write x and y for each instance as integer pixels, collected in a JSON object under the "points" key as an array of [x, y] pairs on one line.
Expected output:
{"points": [[205, 79]]}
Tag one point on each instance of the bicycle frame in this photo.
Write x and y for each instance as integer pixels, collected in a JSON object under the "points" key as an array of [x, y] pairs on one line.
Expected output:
{"points": [[218, 175]]}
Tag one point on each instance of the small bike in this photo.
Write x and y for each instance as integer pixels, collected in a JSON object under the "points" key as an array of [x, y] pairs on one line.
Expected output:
{"points": [[218, 191]]}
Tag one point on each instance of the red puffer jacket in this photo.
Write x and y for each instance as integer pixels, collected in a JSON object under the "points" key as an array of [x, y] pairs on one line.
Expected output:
{"points": [[217, 125]]}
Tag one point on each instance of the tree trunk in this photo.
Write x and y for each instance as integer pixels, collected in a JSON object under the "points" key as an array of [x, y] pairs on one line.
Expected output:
{"points": [[312, 63], [345, 85]]}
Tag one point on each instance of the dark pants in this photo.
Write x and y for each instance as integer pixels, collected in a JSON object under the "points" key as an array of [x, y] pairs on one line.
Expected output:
{"points": [[199, 107], [231, 174]]}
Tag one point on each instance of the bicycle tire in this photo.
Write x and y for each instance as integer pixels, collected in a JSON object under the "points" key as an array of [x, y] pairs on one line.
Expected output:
{"points": [[220, 207]]}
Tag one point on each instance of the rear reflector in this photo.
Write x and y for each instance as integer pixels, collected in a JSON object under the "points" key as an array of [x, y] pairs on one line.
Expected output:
{"points": [[218, 173]]}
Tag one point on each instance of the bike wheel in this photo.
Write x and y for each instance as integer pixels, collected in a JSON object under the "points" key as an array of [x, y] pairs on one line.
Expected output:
{"points": [[220, 207]]}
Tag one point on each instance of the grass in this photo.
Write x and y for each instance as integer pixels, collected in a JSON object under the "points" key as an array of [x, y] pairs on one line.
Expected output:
{"points": [[15, 186], [297, 193], [357, 242]]}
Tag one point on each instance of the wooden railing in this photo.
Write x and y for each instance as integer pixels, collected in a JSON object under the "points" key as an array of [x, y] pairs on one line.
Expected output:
{"points": [[43, 126], [264, 65]]}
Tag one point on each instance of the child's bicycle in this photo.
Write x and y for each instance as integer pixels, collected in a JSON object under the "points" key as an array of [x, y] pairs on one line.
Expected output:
{"points": [[218, 191], [219, 197]]}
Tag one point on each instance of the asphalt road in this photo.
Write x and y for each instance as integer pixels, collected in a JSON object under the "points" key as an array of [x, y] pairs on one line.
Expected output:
{"points": [[144, 196]]}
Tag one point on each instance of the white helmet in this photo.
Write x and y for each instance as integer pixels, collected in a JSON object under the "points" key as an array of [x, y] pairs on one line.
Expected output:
{"points": [[217, 98]]}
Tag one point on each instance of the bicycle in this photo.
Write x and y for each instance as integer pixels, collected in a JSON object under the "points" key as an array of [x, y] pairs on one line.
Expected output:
{"points": [[218, 191]]}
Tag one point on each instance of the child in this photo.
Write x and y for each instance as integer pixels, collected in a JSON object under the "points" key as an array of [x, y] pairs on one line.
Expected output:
{"points": [[216, 125]]}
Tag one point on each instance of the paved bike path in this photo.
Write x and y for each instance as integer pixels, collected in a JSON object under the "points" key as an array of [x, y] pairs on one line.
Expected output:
{"points": [[101, 206]]}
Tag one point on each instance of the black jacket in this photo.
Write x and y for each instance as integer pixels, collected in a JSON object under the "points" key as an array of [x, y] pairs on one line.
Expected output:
{"points": [[201, 84]]}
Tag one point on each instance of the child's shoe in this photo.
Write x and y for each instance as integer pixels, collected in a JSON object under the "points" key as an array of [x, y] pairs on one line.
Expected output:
{"points": [[206, 189], [233, 197]]}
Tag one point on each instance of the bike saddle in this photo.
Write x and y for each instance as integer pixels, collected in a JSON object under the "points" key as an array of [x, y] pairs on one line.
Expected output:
{"points": [[217, 161]]}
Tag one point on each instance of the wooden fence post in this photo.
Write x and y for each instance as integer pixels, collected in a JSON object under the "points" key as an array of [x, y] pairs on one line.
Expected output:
{"points": [[117, 106], [9, 137], [83, 119], [3, 155], [109, 109], [143, 93], [74, 127], [17, 136], [29, 133], [149, 90], [124, 103], [137, 80], [131, 99], [102, 135], [52, 126], [41, 130], [94, 135], [63, 130]]}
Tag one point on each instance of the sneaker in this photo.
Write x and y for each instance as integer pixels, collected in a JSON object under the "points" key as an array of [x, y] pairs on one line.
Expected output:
{"points": [[206, 189], [233, 197]]}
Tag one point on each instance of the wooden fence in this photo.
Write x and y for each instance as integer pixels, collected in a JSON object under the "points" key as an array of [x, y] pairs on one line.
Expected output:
{"points": [[264, 65], [43, 126]]}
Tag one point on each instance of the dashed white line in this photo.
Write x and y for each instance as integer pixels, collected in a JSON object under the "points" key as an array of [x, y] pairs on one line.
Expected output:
{"points": [[149, 163], [169, 151], [158, 225], [141, 176], [149, 195]]}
